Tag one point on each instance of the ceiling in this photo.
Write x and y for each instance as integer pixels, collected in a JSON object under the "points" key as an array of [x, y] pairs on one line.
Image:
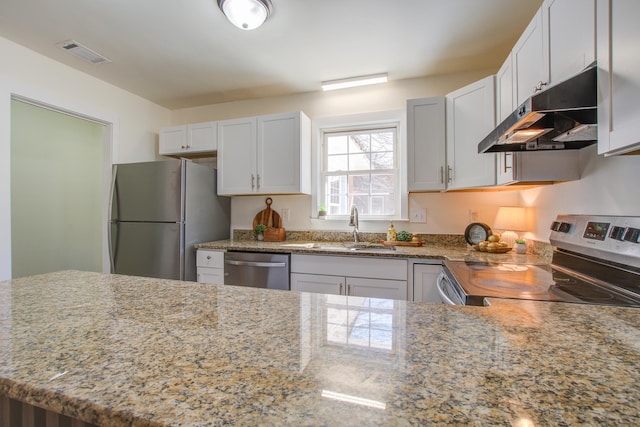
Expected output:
{"points": [[184, 53]]}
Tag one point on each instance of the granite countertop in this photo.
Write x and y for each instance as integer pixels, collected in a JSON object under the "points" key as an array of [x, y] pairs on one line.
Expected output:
{"points": [[119, 350], [427, 251]]}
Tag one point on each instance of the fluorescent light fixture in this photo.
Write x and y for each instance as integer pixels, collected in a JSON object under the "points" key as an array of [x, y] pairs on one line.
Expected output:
{"points": [[246, 14], [354, 81], [354, 399]]}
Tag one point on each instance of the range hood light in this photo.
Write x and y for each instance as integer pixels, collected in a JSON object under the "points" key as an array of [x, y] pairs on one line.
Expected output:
{"points": [[524, 135]]}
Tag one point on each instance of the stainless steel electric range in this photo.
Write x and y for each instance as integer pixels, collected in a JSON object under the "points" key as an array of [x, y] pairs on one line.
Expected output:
{"points": [[596, 260]]}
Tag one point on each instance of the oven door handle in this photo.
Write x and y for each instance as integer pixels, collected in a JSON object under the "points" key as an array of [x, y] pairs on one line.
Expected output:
{"points": [[443, 296], [255, 264]]}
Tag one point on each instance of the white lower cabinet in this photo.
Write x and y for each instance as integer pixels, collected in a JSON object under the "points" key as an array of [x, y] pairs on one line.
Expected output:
{"points": [[425, 278], [210, 266], [353, 276]]}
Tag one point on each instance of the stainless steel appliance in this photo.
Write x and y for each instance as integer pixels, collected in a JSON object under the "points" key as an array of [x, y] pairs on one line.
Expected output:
{"points": [[562, 117], [159, 211], [596, 260], [257, 270]]}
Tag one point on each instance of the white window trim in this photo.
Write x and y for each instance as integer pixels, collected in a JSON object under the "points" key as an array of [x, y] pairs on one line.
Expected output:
{"points": [[379, 118]]}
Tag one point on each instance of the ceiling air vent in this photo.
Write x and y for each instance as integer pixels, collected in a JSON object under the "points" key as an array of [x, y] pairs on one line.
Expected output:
{"points": [[82, 52]]}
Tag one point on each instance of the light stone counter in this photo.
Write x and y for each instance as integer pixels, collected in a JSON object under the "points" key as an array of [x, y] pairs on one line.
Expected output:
{"points": [[427, 251], [118, 350]]}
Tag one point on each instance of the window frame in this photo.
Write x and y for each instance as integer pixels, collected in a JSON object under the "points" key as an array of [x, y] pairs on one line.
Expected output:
{"points": [[365, 121], [394, 170]]}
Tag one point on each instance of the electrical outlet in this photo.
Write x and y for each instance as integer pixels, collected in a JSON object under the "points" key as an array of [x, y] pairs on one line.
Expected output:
{"points": [[285, 214], [473, 216], [418, 215]]}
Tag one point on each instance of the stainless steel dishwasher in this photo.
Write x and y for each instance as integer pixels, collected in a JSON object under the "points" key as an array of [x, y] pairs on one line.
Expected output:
{"points": [[257, 270]]}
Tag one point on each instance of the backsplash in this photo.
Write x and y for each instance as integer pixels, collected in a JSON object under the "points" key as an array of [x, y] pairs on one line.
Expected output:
{"points": [[535, 247]]}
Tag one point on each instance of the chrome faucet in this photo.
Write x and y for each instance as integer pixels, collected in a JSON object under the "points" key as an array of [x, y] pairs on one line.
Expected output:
{"points": [[353, 222]]}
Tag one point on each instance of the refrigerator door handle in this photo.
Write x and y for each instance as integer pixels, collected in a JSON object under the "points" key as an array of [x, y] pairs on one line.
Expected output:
{"points": [[112, 193]]}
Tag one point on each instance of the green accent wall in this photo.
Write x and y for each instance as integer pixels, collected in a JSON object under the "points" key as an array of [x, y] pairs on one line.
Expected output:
{"points": [[56, 191]]}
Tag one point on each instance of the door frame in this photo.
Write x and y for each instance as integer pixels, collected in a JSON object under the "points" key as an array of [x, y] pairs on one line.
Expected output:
{"points": [[111, 123]]}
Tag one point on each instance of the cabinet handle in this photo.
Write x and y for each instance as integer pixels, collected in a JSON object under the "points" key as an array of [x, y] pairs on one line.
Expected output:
{"points": [[539, 87], [253, 180], [184, 147], [441, 174], [449, 173], [208, 256], [505, 161], [258, 180], [340, 292], [348, 289]]}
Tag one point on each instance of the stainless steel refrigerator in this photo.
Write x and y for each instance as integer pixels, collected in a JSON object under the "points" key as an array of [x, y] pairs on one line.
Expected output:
{"points": [[159, 211]]}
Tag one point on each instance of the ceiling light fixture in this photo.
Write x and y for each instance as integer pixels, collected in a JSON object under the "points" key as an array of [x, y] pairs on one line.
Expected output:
{"points": [[246, 14], [354, 81]]}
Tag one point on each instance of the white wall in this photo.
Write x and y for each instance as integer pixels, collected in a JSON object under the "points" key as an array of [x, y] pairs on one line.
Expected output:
{"points": [[28, 74], [609, 186]]}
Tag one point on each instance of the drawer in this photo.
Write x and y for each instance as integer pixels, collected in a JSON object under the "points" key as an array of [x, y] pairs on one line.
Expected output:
{"points": [[210, 275], [208, 258], [353, 266]]}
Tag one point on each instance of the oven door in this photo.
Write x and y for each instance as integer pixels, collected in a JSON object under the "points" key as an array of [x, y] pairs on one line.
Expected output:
{"points": [[447, 291]]}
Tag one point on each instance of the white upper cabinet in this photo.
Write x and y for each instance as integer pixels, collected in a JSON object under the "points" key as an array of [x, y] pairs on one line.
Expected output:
{"points": [[184, 140], [571, 29], [426, 144], [505, 95], [237, 151], [265, 155], [284, 153], [618, 33], [470, 117], [530, 60]]}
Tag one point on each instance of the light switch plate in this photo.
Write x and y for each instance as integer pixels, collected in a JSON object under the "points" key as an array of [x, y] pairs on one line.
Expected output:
{"points": [[418, 215]]}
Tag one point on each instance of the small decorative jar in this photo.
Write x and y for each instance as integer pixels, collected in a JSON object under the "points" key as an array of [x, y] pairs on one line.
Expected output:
{"points": [[520, 246]]}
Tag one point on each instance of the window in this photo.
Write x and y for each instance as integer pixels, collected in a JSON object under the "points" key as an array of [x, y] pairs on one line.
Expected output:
{"points": [[360, 168]]}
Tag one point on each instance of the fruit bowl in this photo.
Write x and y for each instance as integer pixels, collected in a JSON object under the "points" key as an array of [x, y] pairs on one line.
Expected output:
{"points": [[498, 250]]}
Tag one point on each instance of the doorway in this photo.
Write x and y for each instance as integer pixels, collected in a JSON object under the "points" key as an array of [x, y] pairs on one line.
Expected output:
{"points": [[57, 191]]}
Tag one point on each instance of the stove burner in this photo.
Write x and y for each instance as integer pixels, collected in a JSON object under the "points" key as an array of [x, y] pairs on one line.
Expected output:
{"points": [[586, 293]]}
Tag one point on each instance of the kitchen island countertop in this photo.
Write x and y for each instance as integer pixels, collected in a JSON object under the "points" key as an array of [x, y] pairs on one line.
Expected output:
{"points": [[115, 350]]}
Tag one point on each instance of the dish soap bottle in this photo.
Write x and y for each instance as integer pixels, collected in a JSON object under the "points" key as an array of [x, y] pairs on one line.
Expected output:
{"points": [[391, 234]]}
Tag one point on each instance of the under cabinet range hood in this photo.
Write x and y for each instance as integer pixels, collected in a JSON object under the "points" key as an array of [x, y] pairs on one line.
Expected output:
{"points": [[563, 117]]}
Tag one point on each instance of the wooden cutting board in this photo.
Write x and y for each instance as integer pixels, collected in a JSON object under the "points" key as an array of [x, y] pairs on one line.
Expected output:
{"points": [[268, 216]]}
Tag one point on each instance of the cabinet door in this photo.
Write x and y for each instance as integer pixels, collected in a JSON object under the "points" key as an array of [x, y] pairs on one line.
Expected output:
{"points": [[237, 156], [571, 25], [470, 117], [202, 137], [505, 95], [172, 140], [618, 33], [317, 283], [377, 288], [505, 171], [279, 154], [426, 143], [210, 275], [531, 58], [425, 278]]}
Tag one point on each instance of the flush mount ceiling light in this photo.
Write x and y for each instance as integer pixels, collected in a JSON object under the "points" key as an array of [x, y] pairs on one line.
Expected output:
{"points": [[354, 81], [246, 14]]}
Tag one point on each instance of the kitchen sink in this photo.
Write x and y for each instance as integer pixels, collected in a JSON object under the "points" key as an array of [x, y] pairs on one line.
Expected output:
{"points": [[356, 247]]}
